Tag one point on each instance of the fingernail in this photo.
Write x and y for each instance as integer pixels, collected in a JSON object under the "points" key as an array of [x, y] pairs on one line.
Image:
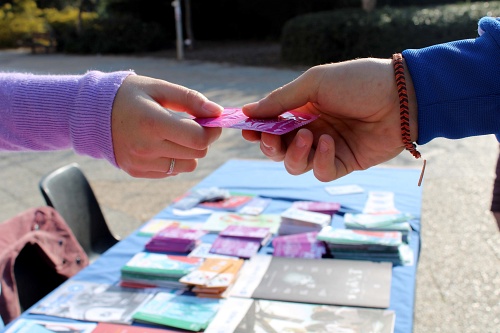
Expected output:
{"points": [[300, 142], [212, 107], [323, 147], [250, 106], [266, 146]]}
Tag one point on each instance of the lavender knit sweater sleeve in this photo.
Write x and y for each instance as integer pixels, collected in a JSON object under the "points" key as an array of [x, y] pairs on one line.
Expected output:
{"points": [[54, 112]]}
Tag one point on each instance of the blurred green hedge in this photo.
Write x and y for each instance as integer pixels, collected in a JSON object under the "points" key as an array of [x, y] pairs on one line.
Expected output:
{"points": [[331, 31], [351, 33]]}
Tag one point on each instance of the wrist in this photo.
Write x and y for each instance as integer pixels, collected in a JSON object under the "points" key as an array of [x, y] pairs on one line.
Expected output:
{"points": [[412, 104], [401, 84]]}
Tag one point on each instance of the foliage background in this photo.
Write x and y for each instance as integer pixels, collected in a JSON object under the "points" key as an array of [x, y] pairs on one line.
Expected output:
{"points": [[309, 32]]}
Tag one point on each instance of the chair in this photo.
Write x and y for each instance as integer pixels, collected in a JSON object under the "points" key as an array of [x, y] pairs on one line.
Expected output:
{"points": [[67, 190]]}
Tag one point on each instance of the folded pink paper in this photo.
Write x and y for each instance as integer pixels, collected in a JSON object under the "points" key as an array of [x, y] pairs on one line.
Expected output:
{"points": [[235, 118]]}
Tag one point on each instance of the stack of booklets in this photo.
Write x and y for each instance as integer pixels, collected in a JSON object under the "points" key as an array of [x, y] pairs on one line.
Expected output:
{"points": [[153, 226], [380, 222], [218, 221], [323, 207], [213, 278], [240, 241], [266, 316], [233, 202], [41, 326], [157, 270], [94, 302], [305, 245], [175, 239], [296, 221], [117, 328], [363, 245], [180, 311]]}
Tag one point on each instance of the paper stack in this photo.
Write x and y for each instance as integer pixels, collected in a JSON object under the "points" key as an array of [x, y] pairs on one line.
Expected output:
{"points": [[362, 245], [304, 245], [175, 239], [213, 277], [296, 221], [324, 207], [380, 222], [180, 311], [240, 241], [147, 269]]}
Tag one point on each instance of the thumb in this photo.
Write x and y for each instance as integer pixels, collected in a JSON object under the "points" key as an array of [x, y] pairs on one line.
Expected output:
{"points": [[291, 96], [182, 99]]}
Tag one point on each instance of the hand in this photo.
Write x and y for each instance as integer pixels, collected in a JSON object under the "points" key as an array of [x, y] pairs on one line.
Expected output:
{"points": [[358, 125], [146, 136]]}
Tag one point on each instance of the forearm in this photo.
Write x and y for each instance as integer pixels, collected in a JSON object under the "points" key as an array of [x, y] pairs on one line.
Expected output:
{"points": [[457, 86], [46, 112]]}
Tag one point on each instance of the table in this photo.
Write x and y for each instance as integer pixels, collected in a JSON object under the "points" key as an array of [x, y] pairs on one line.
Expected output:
{"points": [[270, 179]]}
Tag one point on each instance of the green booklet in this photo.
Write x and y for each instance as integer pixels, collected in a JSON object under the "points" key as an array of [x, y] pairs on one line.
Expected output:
{"points": [[218, 221], [180, 311], [159, 264]]}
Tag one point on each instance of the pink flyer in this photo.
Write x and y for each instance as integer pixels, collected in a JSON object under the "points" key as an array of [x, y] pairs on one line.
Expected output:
{"points": [[235, 118]]}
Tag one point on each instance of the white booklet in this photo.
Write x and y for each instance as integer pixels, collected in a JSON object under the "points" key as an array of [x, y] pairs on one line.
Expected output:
{"points": [[88, 301]]}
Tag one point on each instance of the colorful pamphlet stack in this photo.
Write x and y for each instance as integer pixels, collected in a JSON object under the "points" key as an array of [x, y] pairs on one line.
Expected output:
{"points": [[218, 221], [363, 245], [213, 277], [147, 269], [240, 241], [233, 202], [195, 197], [256, 206], [180, 311], [155, 225], [305, 245], [324, 207], [380, 222], [296, 221], [175, 239]]}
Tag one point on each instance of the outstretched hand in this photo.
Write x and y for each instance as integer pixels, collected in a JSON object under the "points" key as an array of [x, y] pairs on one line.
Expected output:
{"points": [[147, 136], [358, 125]]}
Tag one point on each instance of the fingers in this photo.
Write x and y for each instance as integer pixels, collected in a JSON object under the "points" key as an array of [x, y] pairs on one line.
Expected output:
{"points": [[272, 146], [288, 97], [298, 157], [146, 136], [161, 167], [252, 136], [183, 99], [325, 165]]}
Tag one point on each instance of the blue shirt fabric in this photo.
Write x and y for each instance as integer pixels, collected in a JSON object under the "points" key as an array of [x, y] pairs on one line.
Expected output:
{"points": [[457, 85]]}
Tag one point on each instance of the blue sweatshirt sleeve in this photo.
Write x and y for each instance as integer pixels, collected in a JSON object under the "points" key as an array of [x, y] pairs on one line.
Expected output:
{"points": [[457, 85]]}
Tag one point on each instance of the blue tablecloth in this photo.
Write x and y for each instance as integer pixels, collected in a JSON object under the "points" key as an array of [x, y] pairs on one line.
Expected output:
{"points": [[270, 179]]}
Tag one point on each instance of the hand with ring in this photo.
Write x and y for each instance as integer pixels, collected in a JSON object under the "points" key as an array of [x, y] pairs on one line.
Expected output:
{"points": [[150, 141]]}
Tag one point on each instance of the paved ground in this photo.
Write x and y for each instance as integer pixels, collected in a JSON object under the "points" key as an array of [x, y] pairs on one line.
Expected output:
{"points": [[458, 285]]}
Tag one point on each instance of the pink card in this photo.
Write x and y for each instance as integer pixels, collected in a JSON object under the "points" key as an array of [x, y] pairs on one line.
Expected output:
{"points": [[235, 118], [235, 247], [318, 206], [245, 231], [179, 233]]}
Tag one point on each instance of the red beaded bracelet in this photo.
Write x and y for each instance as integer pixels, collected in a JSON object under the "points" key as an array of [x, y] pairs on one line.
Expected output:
{"points": [[399, 72]]}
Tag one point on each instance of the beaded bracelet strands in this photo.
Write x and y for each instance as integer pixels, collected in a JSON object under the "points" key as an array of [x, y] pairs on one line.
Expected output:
{"points": [[399, 73]]}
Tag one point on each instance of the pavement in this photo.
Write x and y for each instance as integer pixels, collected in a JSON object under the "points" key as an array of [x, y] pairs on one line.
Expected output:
{"points": [[458, 282]]}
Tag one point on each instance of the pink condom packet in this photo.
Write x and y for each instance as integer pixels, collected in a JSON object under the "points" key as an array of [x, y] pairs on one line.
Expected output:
{"points": [[235, 118]]}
